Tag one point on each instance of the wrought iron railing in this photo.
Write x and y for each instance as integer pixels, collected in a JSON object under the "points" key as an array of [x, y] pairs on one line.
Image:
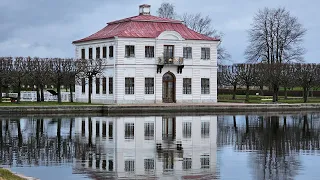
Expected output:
{"points": [[170, 60]]}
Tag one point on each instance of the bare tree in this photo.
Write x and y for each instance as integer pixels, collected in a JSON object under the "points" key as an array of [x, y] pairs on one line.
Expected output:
{"points": [[89, 69], [307, 76], [275, 37], [6, 65], [230, 77], [261, 74], [70, 75], [19, 72], [247, 75], [166, 10], [287, 77]]}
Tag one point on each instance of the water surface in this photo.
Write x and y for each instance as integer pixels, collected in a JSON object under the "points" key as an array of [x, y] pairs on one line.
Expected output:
{"points": [[266, 146]]}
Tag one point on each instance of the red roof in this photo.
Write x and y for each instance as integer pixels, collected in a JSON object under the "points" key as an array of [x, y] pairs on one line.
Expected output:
{"points": [[144, 26]]}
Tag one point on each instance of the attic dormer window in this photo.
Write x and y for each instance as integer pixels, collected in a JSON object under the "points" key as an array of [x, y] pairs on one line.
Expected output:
{"points": [[144, 9]]}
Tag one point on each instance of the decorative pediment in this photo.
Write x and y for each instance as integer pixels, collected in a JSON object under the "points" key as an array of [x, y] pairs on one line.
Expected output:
{"points": [[170, 35]]}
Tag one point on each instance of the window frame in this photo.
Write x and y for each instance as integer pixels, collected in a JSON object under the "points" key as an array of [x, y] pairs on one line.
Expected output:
{"points": [[104, 52], [129, 51], [149, 131], [187, 130], [187, 52], [110, 85], [205, 53], [90, 53], [97, 85], [129, 131], [98, 52], [111, 51], [129, 85], [83, 85], [187, 86], [149, 85], [149, 51], [104, 85], [83, 53], [205, 86]]}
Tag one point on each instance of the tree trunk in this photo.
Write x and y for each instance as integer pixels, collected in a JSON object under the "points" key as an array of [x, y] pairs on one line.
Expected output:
{"points": [[234, 92], [285, 93], [42, 93], [305, 94], [247, 93], [247, 124], [90, 132], [0, 92], [19, 133], [19, 91], [59, 90], [38, 93], [235, 122], [311, 92], [90, 90], [71, 95], [275, 93], [261, 91], [70, 128], [59, 137]]}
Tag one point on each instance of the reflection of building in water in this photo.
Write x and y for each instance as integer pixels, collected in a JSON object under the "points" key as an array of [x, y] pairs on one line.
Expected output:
{"points": [[129, 146]]}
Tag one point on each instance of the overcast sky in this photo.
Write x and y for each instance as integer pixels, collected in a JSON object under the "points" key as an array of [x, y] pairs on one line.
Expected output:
{"points": [[46, 28]]}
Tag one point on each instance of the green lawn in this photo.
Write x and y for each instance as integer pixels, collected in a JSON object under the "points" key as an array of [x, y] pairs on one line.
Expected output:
{"points": [[264, 99], [7, 175], [44, 104]]}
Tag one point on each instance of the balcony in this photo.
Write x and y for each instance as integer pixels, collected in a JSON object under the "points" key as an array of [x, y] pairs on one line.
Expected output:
{"points": [[170, 61], [178, 61]]}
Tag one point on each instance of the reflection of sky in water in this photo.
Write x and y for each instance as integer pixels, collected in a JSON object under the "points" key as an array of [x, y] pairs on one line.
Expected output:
{"points": [[231, 163]]}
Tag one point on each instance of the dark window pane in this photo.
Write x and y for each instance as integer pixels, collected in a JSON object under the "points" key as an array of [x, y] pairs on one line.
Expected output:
{"points": [[149, 51], [97, 128], [187, 52], [110, 130], [110, 85], [104, 52], [83, 53], [90, 53], [129, 131], [149, 85], [104, 129], [104, 85], [187, 86], [97, 85], [129, 85], [129, 51], [205, 86], [97, 52], [83, 83], [110, 51]]}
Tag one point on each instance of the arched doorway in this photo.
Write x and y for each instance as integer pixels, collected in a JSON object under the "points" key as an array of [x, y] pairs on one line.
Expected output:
{"points": [[169, 88]]}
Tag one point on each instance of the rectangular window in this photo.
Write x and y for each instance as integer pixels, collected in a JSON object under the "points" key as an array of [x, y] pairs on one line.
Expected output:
{"points": [[187, 52], [104, 52], [104, 85], [110, 165], [97, 85], [205, 53], [187, 163], [168, 52], [149, 51], [97, 163], [205, 86], [129, 131], [83, 127], [97, 128], [83, 83], [205, 129], [186, 85], [110, 85], [83, 53], [104, 129], [149, 131], [110, 130], [149, 85], [129, 51], [129, 166], [104, 164], [186, 129], [90, 53], [97, 52], [148, 164], [205, 161], [129, 85], [110, 51]]}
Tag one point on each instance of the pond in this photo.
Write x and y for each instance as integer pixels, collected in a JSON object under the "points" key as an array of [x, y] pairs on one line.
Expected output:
{"points": [[255, 146]]}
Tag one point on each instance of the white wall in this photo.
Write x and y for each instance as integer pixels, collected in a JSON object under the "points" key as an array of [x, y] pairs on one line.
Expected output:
{"points": [[140, 67]]}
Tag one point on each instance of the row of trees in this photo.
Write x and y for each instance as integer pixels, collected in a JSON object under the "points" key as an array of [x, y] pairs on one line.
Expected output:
{"points": [[286, 75], [18, 72]]}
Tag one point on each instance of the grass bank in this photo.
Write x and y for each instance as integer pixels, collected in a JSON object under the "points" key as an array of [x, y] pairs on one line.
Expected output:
{"points": [[264, 99], [8, 175], [44, 104]]}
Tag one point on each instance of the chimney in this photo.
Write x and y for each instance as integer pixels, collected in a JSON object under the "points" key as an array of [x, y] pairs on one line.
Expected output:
{"points": [[144, 9]]}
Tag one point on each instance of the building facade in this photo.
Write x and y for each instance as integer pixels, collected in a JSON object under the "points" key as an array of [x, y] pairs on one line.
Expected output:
{"points": [[126, 147], [149, 59]]}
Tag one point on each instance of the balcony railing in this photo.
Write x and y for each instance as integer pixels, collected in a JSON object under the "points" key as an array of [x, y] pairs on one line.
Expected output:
{"points": [[178, 61]]}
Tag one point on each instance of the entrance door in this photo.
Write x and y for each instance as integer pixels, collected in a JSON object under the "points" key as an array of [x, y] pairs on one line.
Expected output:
{"points": [[168, 88]]}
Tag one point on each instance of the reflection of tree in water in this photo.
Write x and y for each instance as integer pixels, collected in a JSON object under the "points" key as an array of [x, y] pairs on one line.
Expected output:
{"points": [[32, 144], [276, 142]]}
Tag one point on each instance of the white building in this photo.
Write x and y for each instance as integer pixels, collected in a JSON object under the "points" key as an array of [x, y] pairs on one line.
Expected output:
{"points": [[128, 147], [150, 59]]}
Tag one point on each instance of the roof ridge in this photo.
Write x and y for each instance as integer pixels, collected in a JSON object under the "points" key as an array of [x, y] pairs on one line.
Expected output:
{"points": [[155, 19]]}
